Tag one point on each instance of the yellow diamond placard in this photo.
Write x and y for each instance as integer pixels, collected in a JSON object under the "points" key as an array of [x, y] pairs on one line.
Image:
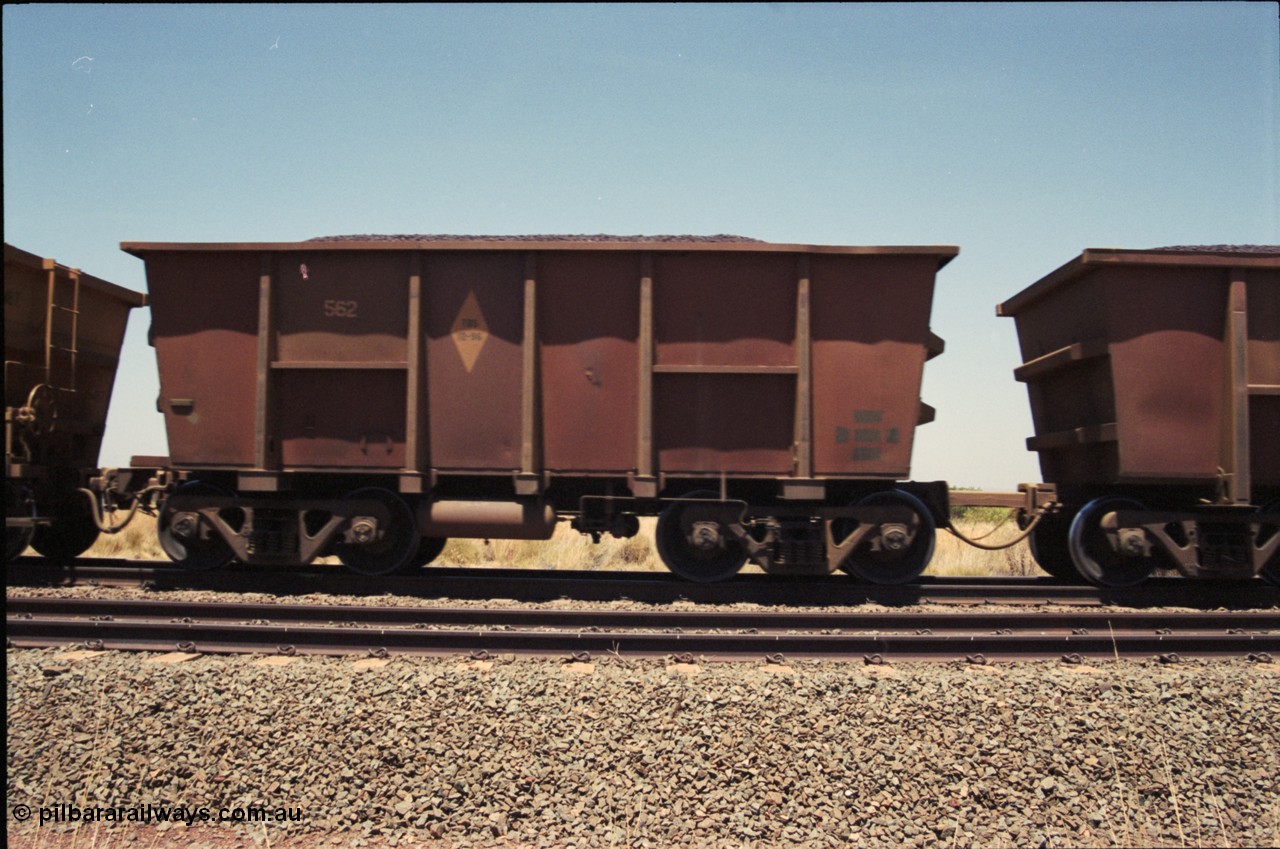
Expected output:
{"points": [[470, 331]]}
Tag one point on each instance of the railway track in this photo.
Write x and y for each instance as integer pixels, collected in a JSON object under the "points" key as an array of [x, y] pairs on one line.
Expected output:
{"points": [[160, 625], [646, 587]]}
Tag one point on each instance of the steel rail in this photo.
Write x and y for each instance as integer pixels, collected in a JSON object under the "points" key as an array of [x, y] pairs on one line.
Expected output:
{"points": [[650, 587], [160, 609], [953, 637]]}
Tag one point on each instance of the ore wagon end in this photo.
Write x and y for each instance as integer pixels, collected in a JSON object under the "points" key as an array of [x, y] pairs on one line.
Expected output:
{"points": [[63, 330]]}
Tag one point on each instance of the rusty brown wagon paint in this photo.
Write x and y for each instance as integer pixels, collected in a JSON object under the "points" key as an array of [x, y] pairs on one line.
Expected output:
{"points": [[1128, 360], [328, 354]]}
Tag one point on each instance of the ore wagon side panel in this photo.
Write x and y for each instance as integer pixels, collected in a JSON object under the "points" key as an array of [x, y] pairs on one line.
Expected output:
{"points": [[1263, 368], [204, 323], [724, 362], [870, 320], [1167, 365], [475, 334], [588, 308], [340, 361]]}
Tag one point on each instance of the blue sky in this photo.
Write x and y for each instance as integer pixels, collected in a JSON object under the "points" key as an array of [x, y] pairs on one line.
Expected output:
{"points": [[1022, 133]]}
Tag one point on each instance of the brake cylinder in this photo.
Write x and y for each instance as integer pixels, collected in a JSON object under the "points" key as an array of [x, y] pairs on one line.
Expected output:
{"points": [[483, 519]]}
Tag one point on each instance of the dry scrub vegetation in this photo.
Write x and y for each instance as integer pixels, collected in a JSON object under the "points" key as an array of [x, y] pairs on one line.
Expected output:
{"points": [[570, 550]]}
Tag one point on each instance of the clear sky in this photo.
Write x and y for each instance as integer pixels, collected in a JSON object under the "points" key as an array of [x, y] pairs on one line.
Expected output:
{"points": [[1022, 133]]}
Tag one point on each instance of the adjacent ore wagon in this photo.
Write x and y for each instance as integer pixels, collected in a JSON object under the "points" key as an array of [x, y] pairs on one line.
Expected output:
{"points": [[62, 335], [372, 396], [1154, 379]]}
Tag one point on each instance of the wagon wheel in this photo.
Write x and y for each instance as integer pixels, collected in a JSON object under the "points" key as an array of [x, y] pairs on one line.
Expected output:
{"points": [[428, 550], [1048, 544], [200, 548], [395, 543], [16, 540], [70, 534], [1271, 569], [1091, 550], [696, 546], [896, 565]]}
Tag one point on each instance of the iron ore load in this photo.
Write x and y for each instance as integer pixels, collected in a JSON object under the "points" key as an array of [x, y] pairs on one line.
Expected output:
{"points": [[371, 397], [63, 330], [1154, 379]]}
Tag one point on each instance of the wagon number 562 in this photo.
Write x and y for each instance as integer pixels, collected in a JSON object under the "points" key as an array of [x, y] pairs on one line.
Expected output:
{"points": [[341, 309]]}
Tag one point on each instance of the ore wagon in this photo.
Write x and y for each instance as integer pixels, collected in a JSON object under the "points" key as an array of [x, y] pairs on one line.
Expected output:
{"points": [[372, 396], [62, 335], [1154, 381]]}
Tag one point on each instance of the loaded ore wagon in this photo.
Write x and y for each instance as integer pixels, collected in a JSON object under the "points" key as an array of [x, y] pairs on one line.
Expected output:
{"points": [[63, 330], [370, 397], [1154, 380]]}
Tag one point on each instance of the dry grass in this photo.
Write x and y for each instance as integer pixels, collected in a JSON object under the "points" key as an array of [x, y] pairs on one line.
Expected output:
{"points": [[136, 542], [567, 549], [570, 550], [954, 558]]}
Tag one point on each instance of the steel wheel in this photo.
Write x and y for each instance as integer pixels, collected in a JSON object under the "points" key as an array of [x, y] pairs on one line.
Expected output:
{"points": [[1091, 550], [720, 556], [17, 506], [903, 565], [16, 541], [428, 550], [1049, 548], [72, 532], [395, 544], [200, 548], [1271, 569]]}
